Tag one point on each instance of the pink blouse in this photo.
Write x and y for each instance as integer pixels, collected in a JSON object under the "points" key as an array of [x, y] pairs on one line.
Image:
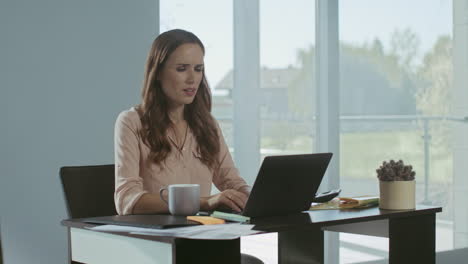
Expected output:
{"points": [[136, 174]]}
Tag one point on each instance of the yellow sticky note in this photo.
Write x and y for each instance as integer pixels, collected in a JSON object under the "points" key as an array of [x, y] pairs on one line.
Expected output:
{"points": [[206, 220]]}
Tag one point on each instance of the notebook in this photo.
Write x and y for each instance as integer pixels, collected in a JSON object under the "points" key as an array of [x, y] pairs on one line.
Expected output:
{"points": [[286, 184], [147, 221]]}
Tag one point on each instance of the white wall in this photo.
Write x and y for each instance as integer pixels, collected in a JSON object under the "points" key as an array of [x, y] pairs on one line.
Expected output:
{"points": [[66, 70]]}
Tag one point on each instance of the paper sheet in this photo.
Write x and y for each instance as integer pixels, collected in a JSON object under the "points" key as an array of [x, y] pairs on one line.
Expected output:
{"points": [[218, 232]]}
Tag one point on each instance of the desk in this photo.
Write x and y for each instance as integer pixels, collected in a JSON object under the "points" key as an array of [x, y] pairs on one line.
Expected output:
{"points": [[300, 239]]}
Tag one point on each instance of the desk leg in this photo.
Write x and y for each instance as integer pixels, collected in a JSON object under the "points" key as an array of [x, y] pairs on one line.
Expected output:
{"points": [[301, 246], [70, 261], [412, 239], [206, 251]]}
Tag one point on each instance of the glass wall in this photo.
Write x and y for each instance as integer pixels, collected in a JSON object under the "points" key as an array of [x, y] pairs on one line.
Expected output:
{"points": [[287, 101], [396, 75]]}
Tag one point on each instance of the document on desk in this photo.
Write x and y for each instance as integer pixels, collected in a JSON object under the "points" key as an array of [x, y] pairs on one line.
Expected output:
{"points": [[215, 232]]}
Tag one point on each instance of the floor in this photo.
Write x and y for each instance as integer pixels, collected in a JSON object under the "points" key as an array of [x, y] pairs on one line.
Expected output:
{"points": [[353, 248]]}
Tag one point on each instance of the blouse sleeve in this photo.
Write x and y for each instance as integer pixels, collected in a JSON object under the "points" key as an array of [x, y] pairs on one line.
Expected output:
{"points": [[226, 176], [128, 183]]}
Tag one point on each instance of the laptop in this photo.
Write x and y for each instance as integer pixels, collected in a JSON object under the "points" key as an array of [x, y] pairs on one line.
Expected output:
{"points": [[286, 184]]}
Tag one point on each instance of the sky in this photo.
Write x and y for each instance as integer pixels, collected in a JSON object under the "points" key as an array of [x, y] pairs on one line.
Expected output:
{"points": [[287, 26]]}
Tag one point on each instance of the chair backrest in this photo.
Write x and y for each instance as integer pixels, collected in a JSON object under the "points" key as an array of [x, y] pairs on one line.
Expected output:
{"points": [[89, 190]]}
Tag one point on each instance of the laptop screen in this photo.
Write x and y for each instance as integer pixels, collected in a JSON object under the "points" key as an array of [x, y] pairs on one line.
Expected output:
{"points": [[286, 184]]}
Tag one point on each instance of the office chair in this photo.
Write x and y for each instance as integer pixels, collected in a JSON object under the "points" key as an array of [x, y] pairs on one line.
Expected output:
{"points": [[89, 192]]}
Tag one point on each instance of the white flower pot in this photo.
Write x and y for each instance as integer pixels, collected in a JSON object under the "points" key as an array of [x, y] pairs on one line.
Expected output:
{"points": [[397, 195]]}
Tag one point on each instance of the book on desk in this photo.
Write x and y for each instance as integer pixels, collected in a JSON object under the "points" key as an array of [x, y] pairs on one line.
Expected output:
{"points": [[356, 202]]}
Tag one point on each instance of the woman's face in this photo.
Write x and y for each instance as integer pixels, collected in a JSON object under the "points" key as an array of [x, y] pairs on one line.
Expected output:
{"points": [[182, 74]]}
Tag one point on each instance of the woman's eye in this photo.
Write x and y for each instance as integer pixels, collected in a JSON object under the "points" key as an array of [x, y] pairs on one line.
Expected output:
{"points": [[199, 69], [180, 69]]}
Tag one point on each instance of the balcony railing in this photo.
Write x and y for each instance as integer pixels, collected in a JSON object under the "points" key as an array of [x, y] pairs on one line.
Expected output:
{"points": [[378, 118], [426, 135]]}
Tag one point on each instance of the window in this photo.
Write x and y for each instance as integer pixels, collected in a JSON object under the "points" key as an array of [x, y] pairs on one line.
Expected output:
{"points": [[395, 78], [287, 37]]}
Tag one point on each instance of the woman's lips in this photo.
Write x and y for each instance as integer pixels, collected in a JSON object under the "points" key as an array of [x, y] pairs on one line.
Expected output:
{"points": [[190, 91]]}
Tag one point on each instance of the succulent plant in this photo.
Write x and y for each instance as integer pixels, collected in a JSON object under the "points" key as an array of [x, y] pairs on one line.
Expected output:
{"points": [[395, 171]]}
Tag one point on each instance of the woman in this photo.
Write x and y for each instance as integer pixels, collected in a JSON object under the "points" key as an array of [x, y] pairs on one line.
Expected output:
{"points": [[171, 136]]}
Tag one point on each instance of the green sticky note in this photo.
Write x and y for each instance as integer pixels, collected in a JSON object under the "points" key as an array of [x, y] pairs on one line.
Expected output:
{"points": [[230, 217]]}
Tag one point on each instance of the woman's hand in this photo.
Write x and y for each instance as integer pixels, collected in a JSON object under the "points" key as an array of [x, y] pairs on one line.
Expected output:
{"points": [[231, 198]]}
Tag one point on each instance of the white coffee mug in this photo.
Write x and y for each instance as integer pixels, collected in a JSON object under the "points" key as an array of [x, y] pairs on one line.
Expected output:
{"points": [[182, 199]]}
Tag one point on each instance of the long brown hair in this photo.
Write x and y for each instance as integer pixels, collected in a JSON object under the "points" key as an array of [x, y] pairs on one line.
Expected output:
{"points": [[153, 109]]}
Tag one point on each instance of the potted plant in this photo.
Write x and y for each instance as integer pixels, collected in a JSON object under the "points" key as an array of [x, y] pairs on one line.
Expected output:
{"points": [[397, 186]]}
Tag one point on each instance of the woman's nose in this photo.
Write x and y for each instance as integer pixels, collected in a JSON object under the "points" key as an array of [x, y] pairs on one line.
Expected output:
{"points": [[190, 76]]}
